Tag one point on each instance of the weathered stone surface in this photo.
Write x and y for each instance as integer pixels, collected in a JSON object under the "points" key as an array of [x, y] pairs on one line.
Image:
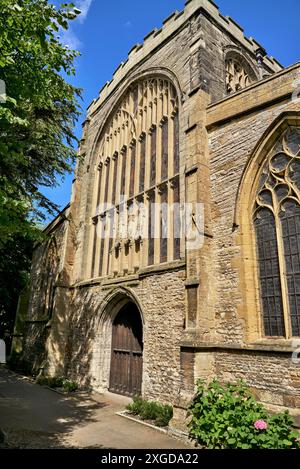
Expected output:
{"points": [[207, 302]]}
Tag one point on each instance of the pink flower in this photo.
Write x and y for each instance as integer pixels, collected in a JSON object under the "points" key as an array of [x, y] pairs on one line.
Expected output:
{"points": [[298, 440], [260, 425]]}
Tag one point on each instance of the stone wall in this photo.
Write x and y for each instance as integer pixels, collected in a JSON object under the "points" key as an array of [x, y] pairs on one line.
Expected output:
{"points": [[192, 58], [85, 346], [234, 137], [194, 311], [47, 267]]}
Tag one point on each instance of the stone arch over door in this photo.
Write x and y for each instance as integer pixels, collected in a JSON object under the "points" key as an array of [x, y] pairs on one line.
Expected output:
{"points": [[110, 310]]}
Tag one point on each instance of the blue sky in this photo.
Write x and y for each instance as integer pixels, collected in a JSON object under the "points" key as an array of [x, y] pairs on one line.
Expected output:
{"points": [[108, 29]]}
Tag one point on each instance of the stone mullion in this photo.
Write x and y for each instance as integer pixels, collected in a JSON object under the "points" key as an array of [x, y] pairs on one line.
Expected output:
{"points": [[164, 216], [118, 161], [137, 241], [109, 201], [145, 250], [121, 236], [119, 125], [147, 159], [110, 259], [106, 147], [170, 199], [130, 250], [130, 256], [282, 267], [100, 211], [159, 138], [165, 100], [98, 265], [92, 239], [126, 247], [138, 147], [155, 101], [110, 146], [171, 171], [116, 250], [108, 177], [157, 227]]}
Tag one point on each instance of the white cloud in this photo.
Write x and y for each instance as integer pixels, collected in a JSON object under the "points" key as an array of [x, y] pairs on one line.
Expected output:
{"points": [[84, 6], [68, 37]]}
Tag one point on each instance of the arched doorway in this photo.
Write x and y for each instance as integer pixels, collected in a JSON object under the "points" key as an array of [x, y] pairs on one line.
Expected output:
{"points": [[127, 352]]}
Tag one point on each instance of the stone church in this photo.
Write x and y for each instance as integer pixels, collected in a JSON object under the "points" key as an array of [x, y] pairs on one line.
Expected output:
{"points": [[178, 257]]}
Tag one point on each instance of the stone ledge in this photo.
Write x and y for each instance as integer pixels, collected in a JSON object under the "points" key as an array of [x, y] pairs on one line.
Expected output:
{"points": [[162, 268], [195, 342], [106, 282], [192, 282]]}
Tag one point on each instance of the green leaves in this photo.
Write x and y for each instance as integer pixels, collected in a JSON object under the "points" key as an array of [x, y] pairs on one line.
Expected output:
{"points": [[37, 120], [37, 141], [223, 416], [151, 410]]}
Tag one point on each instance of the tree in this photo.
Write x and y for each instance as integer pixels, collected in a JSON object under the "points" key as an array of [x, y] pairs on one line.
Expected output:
{"points": [[36, 119]]}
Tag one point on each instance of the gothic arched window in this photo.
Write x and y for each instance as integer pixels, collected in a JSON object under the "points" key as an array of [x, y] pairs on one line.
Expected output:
{"points": [[138, 169], [239, 73], [277, 225]]}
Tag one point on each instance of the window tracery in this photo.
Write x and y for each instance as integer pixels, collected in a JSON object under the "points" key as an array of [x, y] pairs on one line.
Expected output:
{"points": [[237, 77], [277, 226], [139, 150]]}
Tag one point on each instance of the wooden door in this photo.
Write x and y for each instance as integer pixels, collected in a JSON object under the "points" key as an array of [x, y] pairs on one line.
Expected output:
{"points": [[127, 352]]}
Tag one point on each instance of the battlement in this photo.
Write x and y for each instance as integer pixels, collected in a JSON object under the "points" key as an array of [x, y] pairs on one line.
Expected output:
{"points": [[170, 25]]}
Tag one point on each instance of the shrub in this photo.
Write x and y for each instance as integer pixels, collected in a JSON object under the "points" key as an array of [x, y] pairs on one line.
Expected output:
{"points": [[151, 410], [68, 385], [228, 416], [135, 407], [164, 416], [57, 382]]}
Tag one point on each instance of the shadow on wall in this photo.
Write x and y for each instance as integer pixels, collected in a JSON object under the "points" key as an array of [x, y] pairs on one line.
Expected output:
{"points": [[63, 346], [80, 338]]}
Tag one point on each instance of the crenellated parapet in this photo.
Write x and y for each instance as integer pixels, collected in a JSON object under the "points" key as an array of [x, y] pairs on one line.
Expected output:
{"points": [[173, 23]]}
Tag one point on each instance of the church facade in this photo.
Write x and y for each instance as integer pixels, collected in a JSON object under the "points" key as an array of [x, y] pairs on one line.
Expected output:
{"points": [[178, 256]]}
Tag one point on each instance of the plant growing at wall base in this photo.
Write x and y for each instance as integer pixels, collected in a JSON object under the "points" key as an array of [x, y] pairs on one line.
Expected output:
{"points": [[228, 416], [55, 382], [160, 414]]}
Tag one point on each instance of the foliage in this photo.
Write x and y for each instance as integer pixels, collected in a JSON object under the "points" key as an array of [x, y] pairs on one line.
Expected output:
{"points": [[15, 260], [69, 385], [37, 120], [57, 382], [151, 410], [36, 130], [224, 416], [50, 381]]}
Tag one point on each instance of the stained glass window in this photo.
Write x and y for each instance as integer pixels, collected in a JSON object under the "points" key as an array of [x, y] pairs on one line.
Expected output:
{"points": [[277, 227]]}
